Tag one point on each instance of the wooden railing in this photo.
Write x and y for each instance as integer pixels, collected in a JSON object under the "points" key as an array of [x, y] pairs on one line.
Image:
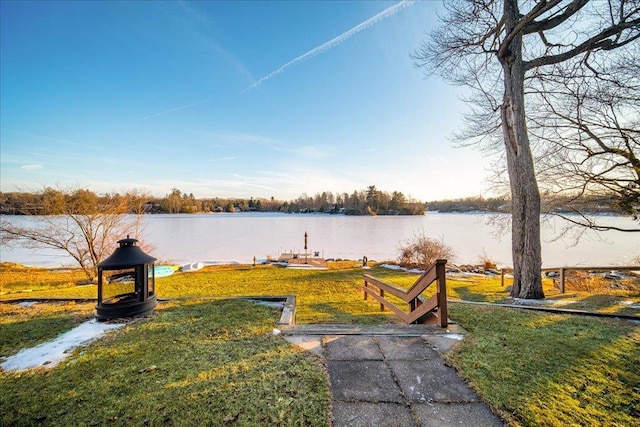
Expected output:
{"points": [[562, 272], [419, 308]]}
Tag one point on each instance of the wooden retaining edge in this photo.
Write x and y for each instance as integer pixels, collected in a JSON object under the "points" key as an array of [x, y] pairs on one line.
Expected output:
{"points": [[44, 299], [550, 310], [287, 318]]}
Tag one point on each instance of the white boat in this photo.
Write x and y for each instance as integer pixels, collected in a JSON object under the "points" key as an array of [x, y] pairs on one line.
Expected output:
{"points": [[195, 266]]}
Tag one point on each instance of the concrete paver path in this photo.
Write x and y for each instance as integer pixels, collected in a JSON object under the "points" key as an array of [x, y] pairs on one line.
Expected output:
{"points": [[393, 376]]}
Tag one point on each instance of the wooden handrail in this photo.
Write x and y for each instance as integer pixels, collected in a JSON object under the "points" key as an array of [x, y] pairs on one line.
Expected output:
{"points": [[419, 309]]}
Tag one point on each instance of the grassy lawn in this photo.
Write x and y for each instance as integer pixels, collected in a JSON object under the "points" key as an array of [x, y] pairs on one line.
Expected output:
{"points": [[22, 327], [541, 369], [199, 356], [192, 363]]}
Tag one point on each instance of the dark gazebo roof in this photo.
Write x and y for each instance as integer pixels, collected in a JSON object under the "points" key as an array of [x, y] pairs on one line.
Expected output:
{"points": [[126, 255]]}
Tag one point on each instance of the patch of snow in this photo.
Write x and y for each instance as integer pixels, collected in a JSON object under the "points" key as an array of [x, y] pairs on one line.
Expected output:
{"points": [[51, 353], [561, 302], [399, 268], [272, 304], [631, 304], [457, 337], [27, 303], [216, 262], [276, 331], [525, 301]]}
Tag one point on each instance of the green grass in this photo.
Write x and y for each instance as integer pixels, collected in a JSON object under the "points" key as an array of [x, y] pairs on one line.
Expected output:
{"points": [[534, 368], [323, 295], [193, 363], [541, 369], [18, 279], [22, 327]]}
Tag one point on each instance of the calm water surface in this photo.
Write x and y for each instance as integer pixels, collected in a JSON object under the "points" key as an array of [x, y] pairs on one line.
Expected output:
{"points": [[239, 237]]}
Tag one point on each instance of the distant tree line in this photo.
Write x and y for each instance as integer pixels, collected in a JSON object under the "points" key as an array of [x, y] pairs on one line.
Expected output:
{"points": [[551, 203], [471, 204], [51, 201], [370, 201]]}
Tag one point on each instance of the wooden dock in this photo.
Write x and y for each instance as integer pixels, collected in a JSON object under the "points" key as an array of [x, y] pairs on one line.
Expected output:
{"points": [[307, 262]]}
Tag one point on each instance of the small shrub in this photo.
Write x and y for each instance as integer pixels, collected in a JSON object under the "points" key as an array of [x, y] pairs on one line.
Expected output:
{"points": [[422, 251], [486, 262], [586, 281]]}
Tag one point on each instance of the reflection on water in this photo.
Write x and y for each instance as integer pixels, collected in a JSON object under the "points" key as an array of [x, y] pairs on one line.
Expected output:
{"points": [[241, 236]]}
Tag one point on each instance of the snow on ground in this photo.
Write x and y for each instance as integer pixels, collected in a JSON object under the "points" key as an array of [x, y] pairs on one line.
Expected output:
{"points": [[27, 303], [51, 353], [392, 267], [524, 301], [397, 267], [457, 337]]}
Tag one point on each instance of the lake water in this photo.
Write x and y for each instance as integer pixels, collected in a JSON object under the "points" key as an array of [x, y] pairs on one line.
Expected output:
{"points": [[238, 237]]}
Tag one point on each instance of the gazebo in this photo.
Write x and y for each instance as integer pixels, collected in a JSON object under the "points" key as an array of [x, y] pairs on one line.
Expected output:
{"points": [[130, 291]]}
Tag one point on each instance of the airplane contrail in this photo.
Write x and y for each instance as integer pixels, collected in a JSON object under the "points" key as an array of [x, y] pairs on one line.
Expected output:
{"points": [[173, 109], [335, 41]]}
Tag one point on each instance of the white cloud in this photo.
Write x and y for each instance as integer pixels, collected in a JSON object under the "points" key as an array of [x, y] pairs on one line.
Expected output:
{"points": [[220, 159], [309, 151], [31, 167]]}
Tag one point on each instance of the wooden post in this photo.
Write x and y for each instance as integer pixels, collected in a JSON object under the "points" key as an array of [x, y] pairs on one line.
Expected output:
{"points": [[562, 271], [502, 277], [366, 285], [441, 274], [382, 295]]}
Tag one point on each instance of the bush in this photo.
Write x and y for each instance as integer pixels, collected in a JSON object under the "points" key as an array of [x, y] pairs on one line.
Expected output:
{"points": [[422, 251], [486, 262]]}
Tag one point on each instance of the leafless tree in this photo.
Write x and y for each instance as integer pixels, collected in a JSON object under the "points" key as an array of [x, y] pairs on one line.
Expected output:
{"points": [[422, 251], [588, 129], [84, 226], [499, 49]]}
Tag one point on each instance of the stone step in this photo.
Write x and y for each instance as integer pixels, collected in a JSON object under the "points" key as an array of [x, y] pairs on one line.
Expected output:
{"points": [[371, 330]]}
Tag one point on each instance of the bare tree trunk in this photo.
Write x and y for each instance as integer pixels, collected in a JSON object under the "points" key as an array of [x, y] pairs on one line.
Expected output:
{"points": [[525, 196]]}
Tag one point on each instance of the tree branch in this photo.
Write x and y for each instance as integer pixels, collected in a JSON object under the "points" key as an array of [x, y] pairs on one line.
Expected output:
{"points": [[549, 23], [592, 225], [538, 10], [599, 41]]}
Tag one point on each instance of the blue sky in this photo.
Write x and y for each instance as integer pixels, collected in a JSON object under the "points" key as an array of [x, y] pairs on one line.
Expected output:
{"points": [[227, 99]]}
